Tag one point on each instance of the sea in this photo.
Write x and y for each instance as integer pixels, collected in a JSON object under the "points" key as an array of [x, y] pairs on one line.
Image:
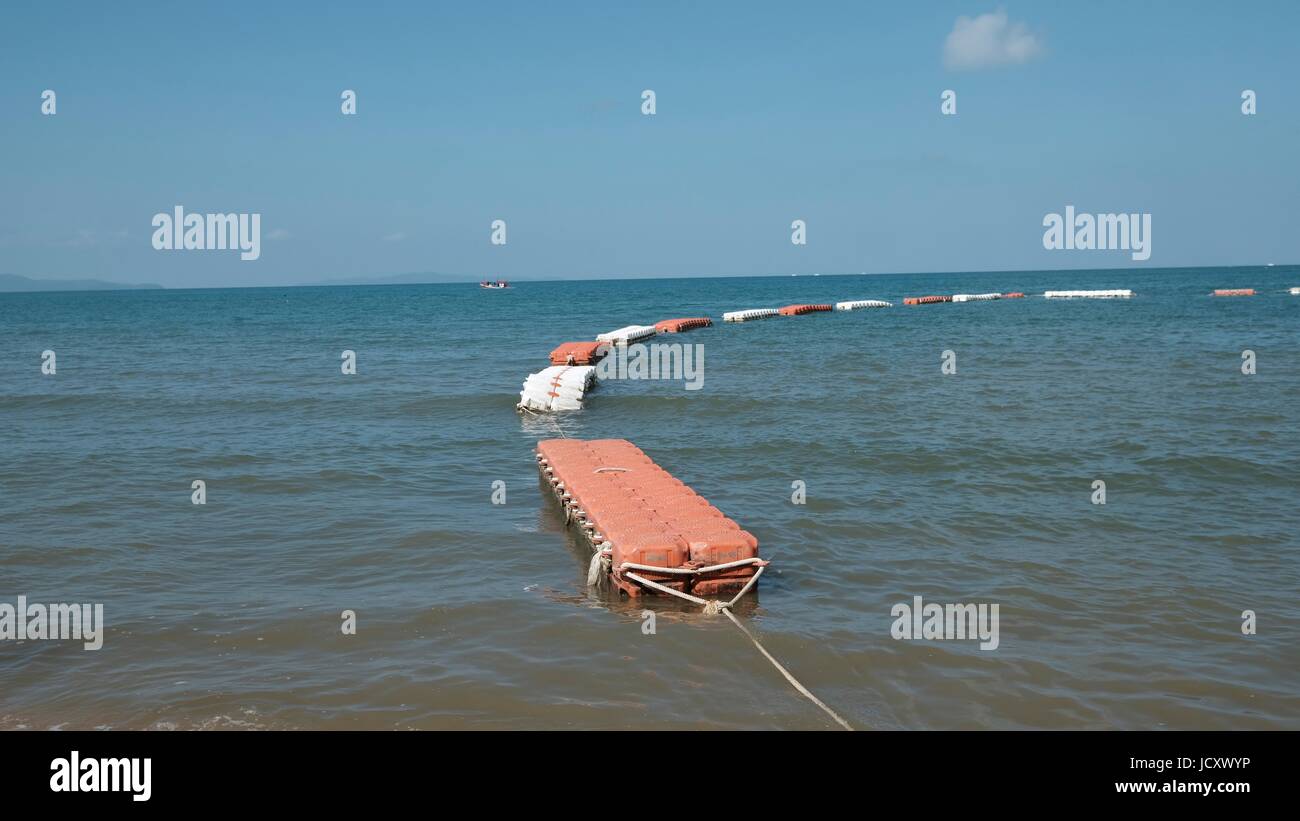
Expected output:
{"points": [[375, 549]]}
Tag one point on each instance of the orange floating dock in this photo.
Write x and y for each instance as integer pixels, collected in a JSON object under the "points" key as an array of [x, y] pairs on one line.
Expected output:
{"points": [[579, 353], [798, 310], [1234, 292], [648, 528], [676, 326], [926, 300]]}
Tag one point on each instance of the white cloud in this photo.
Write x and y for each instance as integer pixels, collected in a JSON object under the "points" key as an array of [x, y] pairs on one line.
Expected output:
{"points": [[989, 40]]}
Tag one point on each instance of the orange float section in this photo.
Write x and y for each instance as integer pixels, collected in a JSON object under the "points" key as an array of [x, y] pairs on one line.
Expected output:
{"points": [[1234, 292], [579, 353], [797, 310], [648, 522], [926, 300], [676, 326]]}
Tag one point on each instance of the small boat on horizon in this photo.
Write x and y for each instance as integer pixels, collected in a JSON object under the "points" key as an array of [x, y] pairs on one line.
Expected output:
{"points": [[500, 283]]}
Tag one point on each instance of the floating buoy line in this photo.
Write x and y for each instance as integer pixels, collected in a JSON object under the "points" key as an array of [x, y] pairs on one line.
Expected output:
{"points": [[649, 532]]}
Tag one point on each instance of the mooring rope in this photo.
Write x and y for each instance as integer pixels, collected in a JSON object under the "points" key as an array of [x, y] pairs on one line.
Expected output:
{"points": [[726, 611], [712, 608], [555, 422], [597, 570]]}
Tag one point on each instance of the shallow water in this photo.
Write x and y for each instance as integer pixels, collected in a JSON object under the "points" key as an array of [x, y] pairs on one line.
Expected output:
{"points": [[373, 493]]}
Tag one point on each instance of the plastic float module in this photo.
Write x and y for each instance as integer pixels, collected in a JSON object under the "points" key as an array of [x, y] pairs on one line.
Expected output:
{"points": [[557, 388], [1123, 293], [854, 304], [752, 313], [676, 326], [1295, 292], [644, 524], [1013, 295], [926, 300], [579, 353], [627, 334], [799, 310], [974, 297], [1234, 292]]}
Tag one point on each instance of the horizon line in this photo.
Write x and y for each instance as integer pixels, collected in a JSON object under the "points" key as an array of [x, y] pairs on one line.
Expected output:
{"points": [[359, 282]]}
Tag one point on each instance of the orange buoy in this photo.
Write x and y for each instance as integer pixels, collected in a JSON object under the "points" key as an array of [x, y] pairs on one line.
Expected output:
{"points": [[579, 353], [1014, 295], [796, 310], [649, 523], [676, 326], [1235, 292], [926, 300]]}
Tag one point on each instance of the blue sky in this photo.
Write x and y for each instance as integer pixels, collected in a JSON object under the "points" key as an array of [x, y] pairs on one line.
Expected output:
{"points": [[530, 112]]}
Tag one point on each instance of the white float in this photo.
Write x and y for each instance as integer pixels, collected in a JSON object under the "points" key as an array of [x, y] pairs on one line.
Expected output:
{"points": [[559, 387], [974, 297], [627, 334], [1295, 292], [853, 305], [752, 313], [1115, 294]]}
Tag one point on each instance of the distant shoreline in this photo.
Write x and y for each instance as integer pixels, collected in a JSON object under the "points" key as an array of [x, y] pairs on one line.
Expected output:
{"points": [[13, 283]]}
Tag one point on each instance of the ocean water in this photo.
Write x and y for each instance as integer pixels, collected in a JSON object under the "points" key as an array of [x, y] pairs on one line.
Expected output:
{"points": [[373, 493]]}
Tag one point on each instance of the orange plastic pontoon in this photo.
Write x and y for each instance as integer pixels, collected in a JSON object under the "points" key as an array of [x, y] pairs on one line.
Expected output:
{"points": [[926, 300], [676, 326], [1234, 292], [579, 353], [796, 310], [648, 523]]}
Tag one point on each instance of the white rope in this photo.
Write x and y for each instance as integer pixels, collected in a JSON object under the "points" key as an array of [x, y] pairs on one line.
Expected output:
{"points": [[712, 608], [692, 571], [726, 611], [753, 580], [598, 568], [664, 589], [556, 422]]}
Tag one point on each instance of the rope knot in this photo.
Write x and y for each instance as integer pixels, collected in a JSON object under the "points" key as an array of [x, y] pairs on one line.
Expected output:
{"points": [[713, 608]]}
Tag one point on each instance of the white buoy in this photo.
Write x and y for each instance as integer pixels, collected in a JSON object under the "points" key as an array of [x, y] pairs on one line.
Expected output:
{"points": [[559, 387], [627, 334], [752, 313], [974, 297], [1115, 294], [853, 305]]}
